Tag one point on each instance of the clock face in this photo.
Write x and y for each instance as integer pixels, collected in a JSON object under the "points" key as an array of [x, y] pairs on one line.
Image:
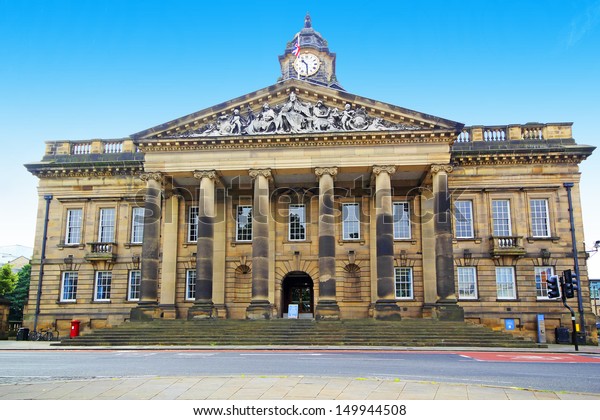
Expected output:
{"points": [[307, 64]]}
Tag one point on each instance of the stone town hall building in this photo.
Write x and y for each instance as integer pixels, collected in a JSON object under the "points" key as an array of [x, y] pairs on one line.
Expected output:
{"points": [[302, 193]]}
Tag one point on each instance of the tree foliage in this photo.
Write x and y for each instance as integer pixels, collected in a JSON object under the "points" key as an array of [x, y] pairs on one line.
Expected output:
{"points": [[8, 279], [18, 297]]}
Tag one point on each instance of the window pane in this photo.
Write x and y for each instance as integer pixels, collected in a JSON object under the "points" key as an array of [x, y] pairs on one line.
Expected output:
{"points": [[297, 229], [542, 274], [193, 224], [505, 283], [135, 279], [244, 223], [467, 283], [74, 219], [69, 286], [404, 283], [103, 285], [351, 221], [107, 225], [401, 220], [501, 217], [190, 285], [137, 225], [463, 219], [539, 218]]}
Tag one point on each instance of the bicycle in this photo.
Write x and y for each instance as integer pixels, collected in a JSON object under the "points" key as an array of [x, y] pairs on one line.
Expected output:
{"points": [[42, 335]]}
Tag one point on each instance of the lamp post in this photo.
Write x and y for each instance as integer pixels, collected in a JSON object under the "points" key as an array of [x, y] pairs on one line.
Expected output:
{"points": [[568, 186], [48, 198]]}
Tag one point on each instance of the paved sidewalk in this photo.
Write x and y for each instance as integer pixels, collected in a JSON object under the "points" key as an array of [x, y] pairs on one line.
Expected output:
{"points": [[268, 388]]}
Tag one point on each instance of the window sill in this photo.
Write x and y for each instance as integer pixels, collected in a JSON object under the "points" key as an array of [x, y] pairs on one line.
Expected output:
{"points": [[474, 240], [303, 241], [128, 245], [66, 302], [62, 246], [101, 301], [532, 239], [406, 240], [236, 243], [508, 300], [351, 241]]}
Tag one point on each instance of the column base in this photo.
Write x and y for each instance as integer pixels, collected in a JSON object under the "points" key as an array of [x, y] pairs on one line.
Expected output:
{"points": [[260, 309], [168, 311], [327, 310], [447, 311], [386, 310], [145, 312], [202, 310]]}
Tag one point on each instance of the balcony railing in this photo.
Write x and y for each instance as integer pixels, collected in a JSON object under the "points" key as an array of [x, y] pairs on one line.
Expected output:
{"points": [[89, 147], [507, 245], [501, 133], [101, 251]]}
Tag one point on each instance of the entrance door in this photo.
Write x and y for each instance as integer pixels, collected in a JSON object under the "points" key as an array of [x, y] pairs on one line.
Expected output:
{"points": [[298, 290]]}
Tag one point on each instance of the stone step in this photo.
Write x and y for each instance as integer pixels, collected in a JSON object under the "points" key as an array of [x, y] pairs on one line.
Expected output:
{"points": [[412, 333]]}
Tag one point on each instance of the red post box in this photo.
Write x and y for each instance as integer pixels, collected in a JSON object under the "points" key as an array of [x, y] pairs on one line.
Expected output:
{"points": [[74, 328]]}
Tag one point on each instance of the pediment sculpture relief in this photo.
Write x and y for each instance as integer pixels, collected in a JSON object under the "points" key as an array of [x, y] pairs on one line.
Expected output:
{"points": [[294, 116]]}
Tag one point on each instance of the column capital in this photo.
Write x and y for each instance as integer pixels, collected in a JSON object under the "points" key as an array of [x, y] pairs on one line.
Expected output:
{"points": [[254, 173], [435, 168], [333, 170], [154, 176], [390, 169], [212, 174]]}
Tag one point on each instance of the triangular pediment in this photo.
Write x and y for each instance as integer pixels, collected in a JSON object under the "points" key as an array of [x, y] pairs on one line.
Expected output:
{"points": [[296, 107]]}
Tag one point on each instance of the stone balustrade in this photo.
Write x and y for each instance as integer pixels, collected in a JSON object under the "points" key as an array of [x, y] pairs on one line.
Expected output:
{"points": [[501, 133], [88, 147]]}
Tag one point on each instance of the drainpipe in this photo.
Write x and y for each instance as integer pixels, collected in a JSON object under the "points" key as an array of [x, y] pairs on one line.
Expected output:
{"points": [[48, 198]]}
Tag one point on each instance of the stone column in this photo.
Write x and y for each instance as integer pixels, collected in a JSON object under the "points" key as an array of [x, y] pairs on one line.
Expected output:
{"points": [[260, 307], [169, 258], [385, 306], [327, 307], [446, 307], [203, 306], [147, 307]]}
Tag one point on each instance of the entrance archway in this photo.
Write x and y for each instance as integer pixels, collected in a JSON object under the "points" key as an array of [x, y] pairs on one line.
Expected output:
{"points": [[297, 289]]}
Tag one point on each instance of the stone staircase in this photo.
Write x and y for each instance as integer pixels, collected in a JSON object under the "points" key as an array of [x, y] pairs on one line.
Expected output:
{"points": [[299, 332]]}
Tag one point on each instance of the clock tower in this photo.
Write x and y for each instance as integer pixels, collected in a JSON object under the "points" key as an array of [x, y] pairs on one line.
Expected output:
{"points": [[314, 63]]}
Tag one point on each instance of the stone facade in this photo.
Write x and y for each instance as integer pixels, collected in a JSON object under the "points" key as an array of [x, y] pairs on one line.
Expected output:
{"points": [[342, 205]]}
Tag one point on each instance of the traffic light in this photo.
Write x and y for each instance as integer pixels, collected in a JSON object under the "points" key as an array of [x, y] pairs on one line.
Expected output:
{"points": [[571, 284], [553, 287]]}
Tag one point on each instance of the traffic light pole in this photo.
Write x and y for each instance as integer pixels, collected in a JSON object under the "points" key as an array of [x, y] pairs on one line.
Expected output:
{"points": [[564, 301], [568, 186]]}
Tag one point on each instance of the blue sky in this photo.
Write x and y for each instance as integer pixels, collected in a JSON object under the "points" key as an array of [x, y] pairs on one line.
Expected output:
{"points": [[107, 69]]}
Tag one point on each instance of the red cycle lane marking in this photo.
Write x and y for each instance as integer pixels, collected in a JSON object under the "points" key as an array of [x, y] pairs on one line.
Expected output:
{"points": [[530, 357]]}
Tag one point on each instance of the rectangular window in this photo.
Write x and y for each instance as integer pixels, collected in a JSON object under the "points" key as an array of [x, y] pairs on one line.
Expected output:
{"points": [[540, 225], [463, 219], [244, 223], [501, 217], [106, 231], [401, 220], [192, 224], [297, 230], [74, 222], [467, 282], [542, 274], [190, 285], [137, 225], [350, 221], [68, 291], [404, 282], [103, 284], [135, 280], [505, 283]]}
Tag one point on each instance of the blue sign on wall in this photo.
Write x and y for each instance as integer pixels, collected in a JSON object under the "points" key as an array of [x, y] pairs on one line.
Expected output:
{"points": [[509, 324], [293, 311]]}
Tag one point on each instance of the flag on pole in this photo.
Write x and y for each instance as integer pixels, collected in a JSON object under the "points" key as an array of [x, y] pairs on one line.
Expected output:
{"points": [[296, 50]]}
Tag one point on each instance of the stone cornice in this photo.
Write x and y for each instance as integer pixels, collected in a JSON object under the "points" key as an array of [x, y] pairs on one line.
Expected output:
{"points": [[82, 170], [307, 140], [521, 157]]}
